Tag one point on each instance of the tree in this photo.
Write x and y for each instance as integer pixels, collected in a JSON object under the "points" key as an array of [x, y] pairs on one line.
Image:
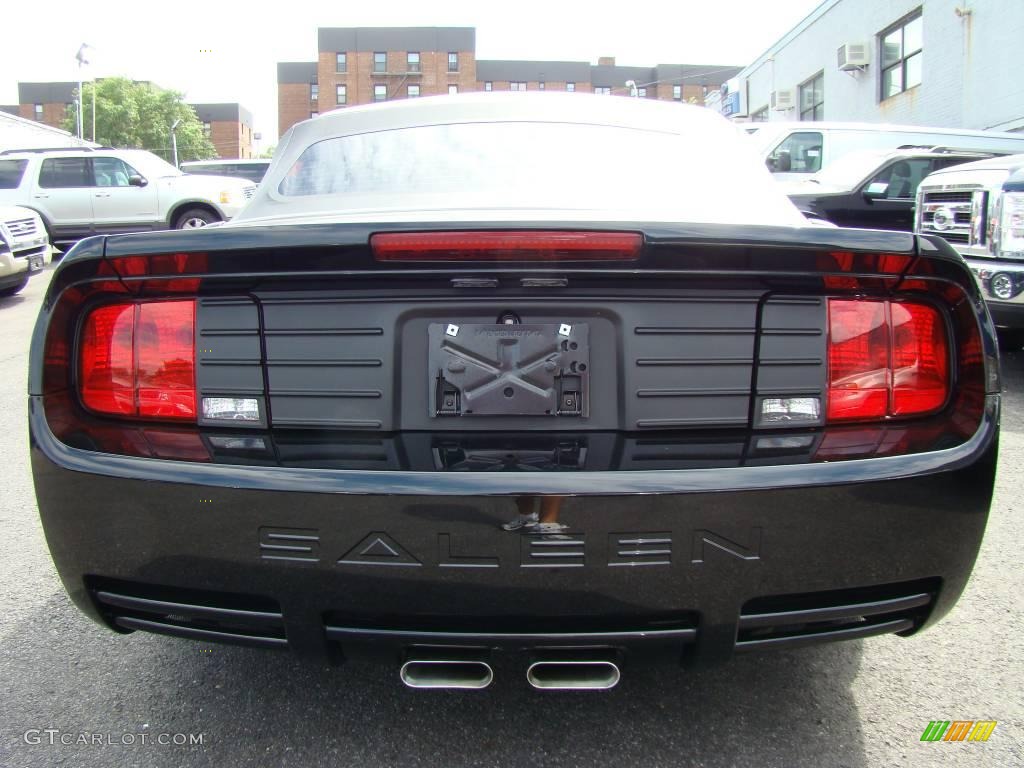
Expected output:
{"points": [[139, 115], [268, 153]]}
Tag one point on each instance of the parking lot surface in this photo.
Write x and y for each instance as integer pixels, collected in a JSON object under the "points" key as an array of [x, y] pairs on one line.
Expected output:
{"points": [[854, 704]]}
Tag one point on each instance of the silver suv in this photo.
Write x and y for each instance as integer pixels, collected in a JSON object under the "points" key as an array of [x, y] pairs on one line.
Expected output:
{"points": [[80, 192]]}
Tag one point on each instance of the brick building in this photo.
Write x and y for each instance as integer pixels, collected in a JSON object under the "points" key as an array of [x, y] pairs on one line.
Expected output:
{"points": [[229, 126], [46, 103], [367, 64], [296, 93]]}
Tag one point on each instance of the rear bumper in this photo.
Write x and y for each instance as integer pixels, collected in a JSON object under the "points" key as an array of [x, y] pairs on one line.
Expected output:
{"points": [[330, 563]]}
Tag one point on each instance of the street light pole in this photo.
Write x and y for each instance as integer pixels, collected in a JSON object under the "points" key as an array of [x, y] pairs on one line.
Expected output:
{"points": [[174, 140], [79, 110], [82, 60]]}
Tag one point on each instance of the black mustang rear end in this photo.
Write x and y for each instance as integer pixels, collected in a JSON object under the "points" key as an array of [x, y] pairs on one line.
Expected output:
{"points": [[337, 438]]}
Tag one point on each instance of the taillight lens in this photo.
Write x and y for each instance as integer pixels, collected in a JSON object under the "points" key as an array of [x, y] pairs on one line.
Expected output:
{"points": [[138, 359], [885, 358], [509, 245]]}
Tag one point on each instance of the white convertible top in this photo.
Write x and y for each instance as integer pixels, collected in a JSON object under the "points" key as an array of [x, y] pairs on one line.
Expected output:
{"points": [[518, 157]]}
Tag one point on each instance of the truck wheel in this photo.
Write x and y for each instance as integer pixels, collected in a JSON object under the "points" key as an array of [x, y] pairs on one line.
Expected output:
{"points": [[194, 218], [13, 289], [1011, 339]]}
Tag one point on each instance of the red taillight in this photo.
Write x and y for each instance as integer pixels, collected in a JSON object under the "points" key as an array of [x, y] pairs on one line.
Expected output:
{"points": [[108, 362], [138, 359], [506, 246], [885, 358]]}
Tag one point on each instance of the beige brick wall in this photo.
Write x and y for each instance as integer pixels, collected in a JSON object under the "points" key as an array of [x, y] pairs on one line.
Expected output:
{"points": [[53, 114], [293, 105], [505, 85], [232, 139], [360, 79]]}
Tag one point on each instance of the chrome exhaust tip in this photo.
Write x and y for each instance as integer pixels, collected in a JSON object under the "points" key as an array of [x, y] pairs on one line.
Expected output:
{"points": [[573, 674], [447, 673]]}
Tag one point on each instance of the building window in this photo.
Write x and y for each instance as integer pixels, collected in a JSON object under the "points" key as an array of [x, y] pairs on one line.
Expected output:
{"points": [[313, 114], [452, 90], [39, 112], [453, 62], [488, 86], [641, 92], [677, 93], [604, 90], [541, 85], [412, 61], [570, 87], [812, 98], [900, 48], [516, 86], [314, 91], [761, 116], [414, 91], [380, 93], [341, 63], [342, 95], [380, 62], [207, 130]]}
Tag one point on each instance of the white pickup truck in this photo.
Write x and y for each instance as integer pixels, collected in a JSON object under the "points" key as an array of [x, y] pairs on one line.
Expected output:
{"points": [[23, 247], [80, 192], [979, 209]]}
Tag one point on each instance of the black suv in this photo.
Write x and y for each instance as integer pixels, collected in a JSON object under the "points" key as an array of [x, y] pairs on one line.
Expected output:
{"points": [[873, 189]]}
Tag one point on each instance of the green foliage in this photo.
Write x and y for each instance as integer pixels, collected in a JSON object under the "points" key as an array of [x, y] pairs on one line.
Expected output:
{"points": [[139, 115], [268, 153]]}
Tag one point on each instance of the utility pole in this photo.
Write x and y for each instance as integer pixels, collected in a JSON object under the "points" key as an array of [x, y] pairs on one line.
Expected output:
{"points": [[174, 140]]}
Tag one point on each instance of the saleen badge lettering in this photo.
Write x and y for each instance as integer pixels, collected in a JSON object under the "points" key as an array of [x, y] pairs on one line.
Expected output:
{"points": [[567, 550]]}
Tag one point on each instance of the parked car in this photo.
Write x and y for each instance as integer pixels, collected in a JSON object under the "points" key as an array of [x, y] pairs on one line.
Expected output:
{"points": [[449, 388], [23, 247], [874, 189], [795, 150], [253, 170], [979, 209], [80, 192]]}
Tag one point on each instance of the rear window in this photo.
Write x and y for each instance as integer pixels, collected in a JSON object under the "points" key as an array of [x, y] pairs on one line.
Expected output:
{"points": [[11, 172], [534, 165], [60, 172]]}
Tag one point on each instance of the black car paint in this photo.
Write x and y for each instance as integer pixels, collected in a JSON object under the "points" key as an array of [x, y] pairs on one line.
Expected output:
{"points": [[737, 533], [857, 208]]}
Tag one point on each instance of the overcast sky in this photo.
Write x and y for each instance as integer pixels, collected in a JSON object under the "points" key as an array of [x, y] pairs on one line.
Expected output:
{"points": [[226, 52]]}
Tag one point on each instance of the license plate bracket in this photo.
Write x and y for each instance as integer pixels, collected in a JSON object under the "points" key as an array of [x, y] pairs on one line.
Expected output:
{"points": [[525, 369]]}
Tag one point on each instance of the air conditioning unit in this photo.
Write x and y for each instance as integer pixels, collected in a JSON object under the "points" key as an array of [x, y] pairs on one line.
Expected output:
{"points": [[783, 99], [853, 56]]}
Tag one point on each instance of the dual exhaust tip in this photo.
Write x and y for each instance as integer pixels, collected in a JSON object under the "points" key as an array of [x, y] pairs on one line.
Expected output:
{"points": [[546, 674]]}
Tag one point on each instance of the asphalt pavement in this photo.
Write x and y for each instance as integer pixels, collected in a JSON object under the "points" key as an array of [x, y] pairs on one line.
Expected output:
{"points": [[145, 700]]}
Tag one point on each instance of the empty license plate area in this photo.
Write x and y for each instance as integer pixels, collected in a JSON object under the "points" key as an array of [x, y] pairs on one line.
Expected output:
{"points": [[479, 369]]}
